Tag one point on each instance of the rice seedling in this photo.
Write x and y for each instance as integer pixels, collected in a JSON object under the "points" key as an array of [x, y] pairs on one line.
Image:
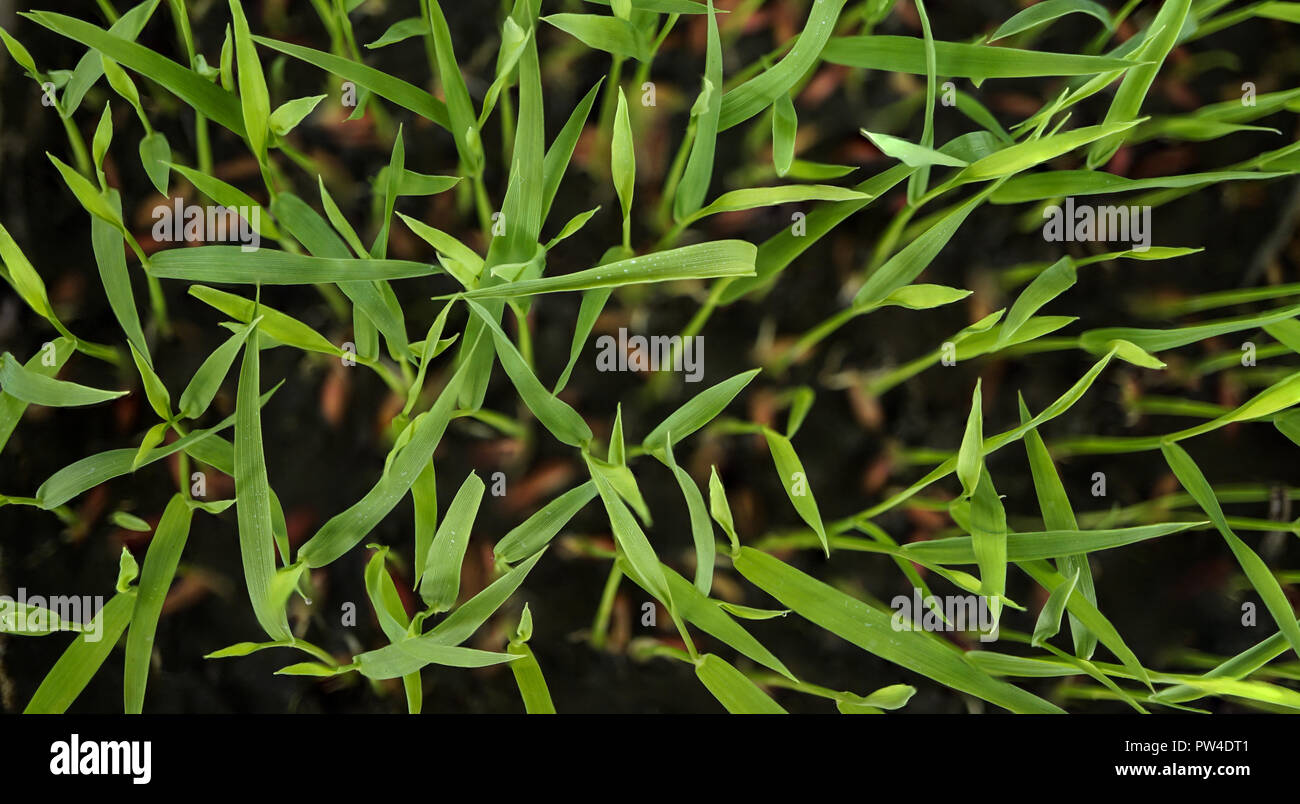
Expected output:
{"points": [[901, 228]]}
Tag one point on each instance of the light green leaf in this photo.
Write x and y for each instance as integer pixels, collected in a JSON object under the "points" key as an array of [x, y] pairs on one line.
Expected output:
{"points": [[442, 565], [159, 568], [537, 531], [83, 658], [156, 156], [702, 261], [733, 690], [703, 408], [37, 389], [289, 114], [785, 125], [234, 265], [906, 54], [795, 482], [254, 99], [1051, 283], [909, 153], [756, 94], [253, 495], [1048, 10]]}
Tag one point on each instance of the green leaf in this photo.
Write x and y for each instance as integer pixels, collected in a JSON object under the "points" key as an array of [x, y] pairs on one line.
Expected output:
{"points": [[556, 416], [906, 54], [1048, 10], [1024, 155], [230, 196], [610, 34], [11, 407], [159, 568], [23, 277], [129, 522], [694, 184], [1261, 577], [110, 258], [1059, 515], [414, 654], [622, 480], [154, 389], [663, 6], [720, 509], [701, 261], [312, 669], [1286, 12], [988, 524], [194, 90], [87, 194], [1058, 183], [1127, 103], [871, 630], [924, 297], [127, 571], [345, 530], [19, 52], [384, 597], [779, 251], [909, 153], [1051, 283], [289, 114], [156, 156], [85, 474], [571, 228], [557, 158], [442, 565], [622, 162], [274, 324], [470, 615], [1048, 624], [785, 125], [631, 540], [528, 673], [83, 658], [253, 495], [1132, 353], [203, 386], [254, 99], [711, 617], [703, 408], [1159, 340], [701, 527], [738, 200], [460, 110], [514, 40], [34, 388], [391, 89], [970, 460], [399, 31], [796, 483], [913, 258], [733, 690], [537, 531], [756, 94], [1045, 544], [234, 265], [421, 184]]}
